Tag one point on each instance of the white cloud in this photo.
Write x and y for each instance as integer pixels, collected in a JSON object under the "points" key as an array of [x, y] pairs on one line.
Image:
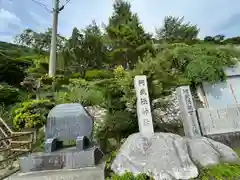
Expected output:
{"points": [[9, 20], [42, 21]]}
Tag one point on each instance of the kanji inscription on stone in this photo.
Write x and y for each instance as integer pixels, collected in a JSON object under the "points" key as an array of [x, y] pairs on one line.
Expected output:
{"points": [[143, 106]]}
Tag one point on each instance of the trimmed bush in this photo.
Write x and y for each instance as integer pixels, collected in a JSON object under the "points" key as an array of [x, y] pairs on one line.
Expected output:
{"points": [[31, 114], [8, 94], [98, 74], [86, 97]]}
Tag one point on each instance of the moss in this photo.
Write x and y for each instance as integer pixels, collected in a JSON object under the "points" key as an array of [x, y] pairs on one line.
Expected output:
{"points": [[220, 172], [216, 172]]}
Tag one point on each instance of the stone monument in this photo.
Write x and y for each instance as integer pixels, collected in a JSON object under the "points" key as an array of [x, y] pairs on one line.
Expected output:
{"points": [[143, 106], [66, 122], [188, 112], [165, 155]]}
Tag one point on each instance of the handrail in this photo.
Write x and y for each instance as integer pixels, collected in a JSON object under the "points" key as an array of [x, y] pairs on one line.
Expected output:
{"points": [[13, 148], [5, 135], [3, 132], [12, 155], [14, 136], [5, 124]]}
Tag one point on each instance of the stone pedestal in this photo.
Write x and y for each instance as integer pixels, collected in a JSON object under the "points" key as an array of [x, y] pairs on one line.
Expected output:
{"points": [[67, 158], [87, 173]]}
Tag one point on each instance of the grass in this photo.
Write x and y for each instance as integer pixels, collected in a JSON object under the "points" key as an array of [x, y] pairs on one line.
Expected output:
{"points": [[221, 171]]}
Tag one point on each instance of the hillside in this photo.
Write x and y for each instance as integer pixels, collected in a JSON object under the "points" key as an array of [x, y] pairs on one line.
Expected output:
{"points": [[97, 67], [14, 50]]}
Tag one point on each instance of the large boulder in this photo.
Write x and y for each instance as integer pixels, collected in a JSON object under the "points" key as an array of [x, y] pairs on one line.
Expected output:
{"points": [[169, 156]]}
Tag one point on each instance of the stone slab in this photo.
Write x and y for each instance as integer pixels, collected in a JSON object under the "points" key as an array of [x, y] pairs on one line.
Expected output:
{"points": [[219, 120], [89, 173], [68, 158]]}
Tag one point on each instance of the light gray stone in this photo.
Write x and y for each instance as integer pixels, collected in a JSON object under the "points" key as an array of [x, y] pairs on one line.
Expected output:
{"points": [[188, 112], [145, 122], [68, 158], [170, 156], [88, 173], [219, 120]]}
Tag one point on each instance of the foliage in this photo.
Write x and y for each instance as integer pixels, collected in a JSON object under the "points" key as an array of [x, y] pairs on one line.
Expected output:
{"points": [[40, 42], [127, 39], [109, 159], [32, 113], [58, 80], [9, 94], [200, 62], [85, 50], [12, 71], [175, 30], [117, 125], [130, 176], [98, 74], [86, 97], [80, 91], [220, 172]]}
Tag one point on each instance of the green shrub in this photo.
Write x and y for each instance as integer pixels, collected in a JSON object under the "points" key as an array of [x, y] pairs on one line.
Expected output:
{"points": [[98, 74], [117, 125], [75, 75], [82, 83], [31, 114], [86, 97], [130, 176], [59, 80], [9, 94]]}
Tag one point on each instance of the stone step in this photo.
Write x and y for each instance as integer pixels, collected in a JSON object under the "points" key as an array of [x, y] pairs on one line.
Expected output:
{"points": [[89, 173]]}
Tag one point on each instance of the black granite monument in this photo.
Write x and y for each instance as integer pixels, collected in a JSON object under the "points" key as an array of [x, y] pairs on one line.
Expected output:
{"points": [[65, 122]]}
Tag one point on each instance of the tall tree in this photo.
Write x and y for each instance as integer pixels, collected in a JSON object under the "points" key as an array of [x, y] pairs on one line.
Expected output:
{"points": [[85, 49], [175, 30], [128, 40], [40, 42]]}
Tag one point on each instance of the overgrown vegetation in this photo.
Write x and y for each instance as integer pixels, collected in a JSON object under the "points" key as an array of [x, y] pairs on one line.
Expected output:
{"points": [[97, 67]]}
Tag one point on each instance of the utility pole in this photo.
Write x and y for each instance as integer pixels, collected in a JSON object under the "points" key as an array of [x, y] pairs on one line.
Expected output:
{"points": [[53, 50]]}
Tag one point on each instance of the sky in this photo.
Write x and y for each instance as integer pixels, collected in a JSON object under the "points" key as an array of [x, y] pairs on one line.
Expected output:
{"points": [[212, 16]]}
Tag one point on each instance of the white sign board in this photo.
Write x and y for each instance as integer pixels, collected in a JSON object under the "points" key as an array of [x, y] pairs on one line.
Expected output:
{"points": [[143, 106]]}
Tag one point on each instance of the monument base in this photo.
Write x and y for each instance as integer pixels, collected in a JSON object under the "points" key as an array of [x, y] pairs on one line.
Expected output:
{"points": [[68, 158], [89, 173], [231, 139]]}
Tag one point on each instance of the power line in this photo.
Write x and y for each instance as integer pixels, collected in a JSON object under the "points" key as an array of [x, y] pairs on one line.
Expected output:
{"points": [[48, 9], [62, 6], [67, 1], [43, 5]]}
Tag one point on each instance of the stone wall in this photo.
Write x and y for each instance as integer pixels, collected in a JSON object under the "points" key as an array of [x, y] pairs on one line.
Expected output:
{"points": [[221, 124], [219, 120]]}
